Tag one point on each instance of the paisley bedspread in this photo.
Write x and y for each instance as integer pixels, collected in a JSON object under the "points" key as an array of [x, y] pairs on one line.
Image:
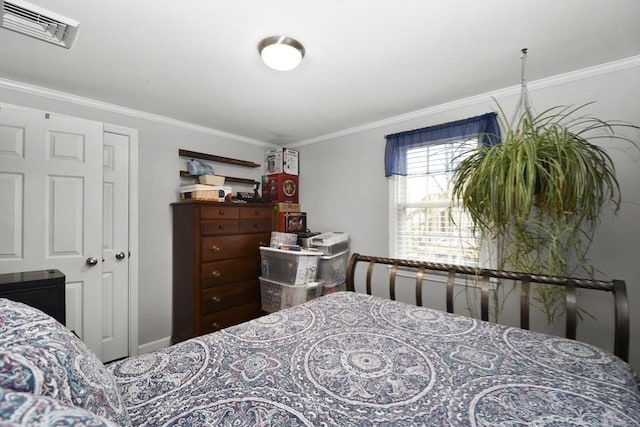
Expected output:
{"points": [[349, 359]]}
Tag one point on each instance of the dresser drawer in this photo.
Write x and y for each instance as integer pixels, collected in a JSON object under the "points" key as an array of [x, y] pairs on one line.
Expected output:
{"points": [[227, 271], [219, 212], [215, 248], [232, 316], [256, 212], [220, 226], [255, 225], [221, 297]]}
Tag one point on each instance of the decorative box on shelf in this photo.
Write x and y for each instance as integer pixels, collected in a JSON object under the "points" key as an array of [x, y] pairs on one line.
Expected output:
{"points": [[204, 192], [211, 180]]}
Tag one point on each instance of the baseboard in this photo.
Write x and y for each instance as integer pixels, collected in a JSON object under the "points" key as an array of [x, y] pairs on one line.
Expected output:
{"points": [[154, 345]]}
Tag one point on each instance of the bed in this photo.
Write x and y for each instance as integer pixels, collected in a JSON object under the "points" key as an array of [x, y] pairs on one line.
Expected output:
{"points": [[344, 359]]}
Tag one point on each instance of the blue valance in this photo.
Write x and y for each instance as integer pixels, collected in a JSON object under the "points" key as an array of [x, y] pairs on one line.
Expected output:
{"points": [[485, 128]]}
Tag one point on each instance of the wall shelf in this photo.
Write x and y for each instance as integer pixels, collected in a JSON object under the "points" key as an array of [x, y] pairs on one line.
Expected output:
{"points": [[219, 159], [186, 174]]}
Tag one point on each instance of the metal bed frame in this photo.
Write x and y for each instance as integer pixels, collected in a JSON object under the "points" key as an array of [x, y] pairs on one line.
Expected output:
{"points": [[616, 287]]}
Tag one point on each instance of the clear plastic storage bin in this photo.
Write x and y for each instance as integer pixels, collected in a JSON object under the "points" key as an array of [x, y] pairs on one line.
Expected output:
{"points": [[290, 267], [329, 288], [332, 268], [330, 243], [276, 296]]}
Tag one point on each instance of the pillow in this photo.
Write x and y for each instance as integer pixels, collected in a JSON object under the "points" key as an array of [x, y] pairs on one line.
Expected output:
{"points": [[40, 356], [21, 409]]}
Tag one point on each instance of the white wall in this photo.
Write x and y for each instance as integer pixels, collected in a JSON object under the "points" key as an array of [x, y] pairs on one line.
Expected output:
{"points": [[158, 181], [343, 188]]}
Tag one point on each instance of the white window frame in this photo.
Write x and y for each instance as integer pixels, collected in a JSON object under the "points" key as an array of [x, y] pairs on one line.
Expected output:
{"points": [[487, 256]]}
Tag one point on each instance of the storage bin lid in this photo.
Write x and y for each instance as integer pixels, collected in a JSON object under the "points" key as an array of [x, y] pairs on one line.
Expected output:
{"points": [[331, 238], [309, 285], [339, 254], [290, 252]]}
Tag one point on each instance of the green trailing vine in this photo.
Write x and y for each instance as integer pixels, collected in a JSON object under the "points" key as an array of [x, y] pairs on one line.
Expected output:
{"points": [[540, 192]]}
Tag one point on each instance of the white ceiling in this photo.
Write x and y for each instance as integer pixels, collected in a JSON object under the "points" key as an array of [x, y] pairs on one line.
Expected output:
{"points": [[369, 60]]}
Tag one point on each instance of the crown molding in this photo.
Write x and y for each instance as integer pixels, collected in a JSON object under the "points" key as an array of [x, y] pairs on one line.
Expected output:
{"points": [[117, 109], [585, 73]]}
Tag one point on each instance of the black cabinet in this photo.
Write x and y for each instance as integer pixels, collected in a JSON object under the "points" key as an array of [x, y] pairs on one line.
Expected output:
{"points": [[42, 289]]}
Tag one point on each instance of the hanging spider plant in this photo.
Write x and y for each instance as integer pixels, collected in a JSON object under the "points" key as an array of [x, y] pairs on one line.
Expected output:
{"points": [[540, 192]]}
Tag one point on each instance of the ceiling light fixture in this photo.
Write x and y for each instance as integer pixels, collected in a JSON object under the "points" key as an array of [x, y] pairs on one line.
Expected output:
{"points": [[281, 53]]}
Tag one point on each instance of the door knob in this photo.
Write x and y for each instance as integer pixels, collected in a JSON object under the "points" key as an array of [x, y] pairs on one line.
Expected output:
{"points": [[120, 255], [91, 261]]}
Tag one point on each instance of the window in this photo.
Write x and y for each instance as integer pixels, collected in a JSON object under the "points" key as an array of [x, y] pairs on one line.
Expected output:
{"points": [[423, 212], [420, 165]]}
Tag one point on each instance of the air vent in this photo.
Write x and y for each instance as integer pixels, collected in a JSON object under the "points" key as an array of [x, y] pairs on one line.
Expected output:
{"points": [[34, 21]]}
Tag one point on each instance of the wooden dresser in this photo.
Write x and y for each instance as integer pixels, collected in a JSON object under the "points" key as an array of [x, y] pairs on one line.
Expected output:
{"points": [[216, 264]]}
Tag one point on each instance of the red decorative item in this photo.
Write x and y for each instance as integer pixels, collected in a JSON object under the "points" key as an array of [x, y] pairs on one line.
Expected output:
{"points": [[292, 222], [281, 188]]}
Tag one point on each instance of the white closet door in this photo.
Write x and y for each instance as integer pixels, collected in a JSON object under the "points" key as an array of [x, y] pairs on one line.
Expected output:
{"points": [[115, 252], [51, 210]]}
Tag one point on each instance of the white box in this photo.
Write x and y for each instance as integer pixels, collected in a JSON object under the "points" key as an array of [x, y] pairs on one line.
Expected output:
{"points": [[204, 192], [211, 180], [281, 160]]}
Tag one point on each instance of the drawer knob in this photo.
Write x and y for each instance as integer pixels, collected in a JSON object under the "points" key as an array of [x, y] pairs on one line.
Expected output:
{"points": [[256, 225], [221, 211], [257, 212], [221, 226], [215, 325], [216, 298], [216, 274], [215, 249]]}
